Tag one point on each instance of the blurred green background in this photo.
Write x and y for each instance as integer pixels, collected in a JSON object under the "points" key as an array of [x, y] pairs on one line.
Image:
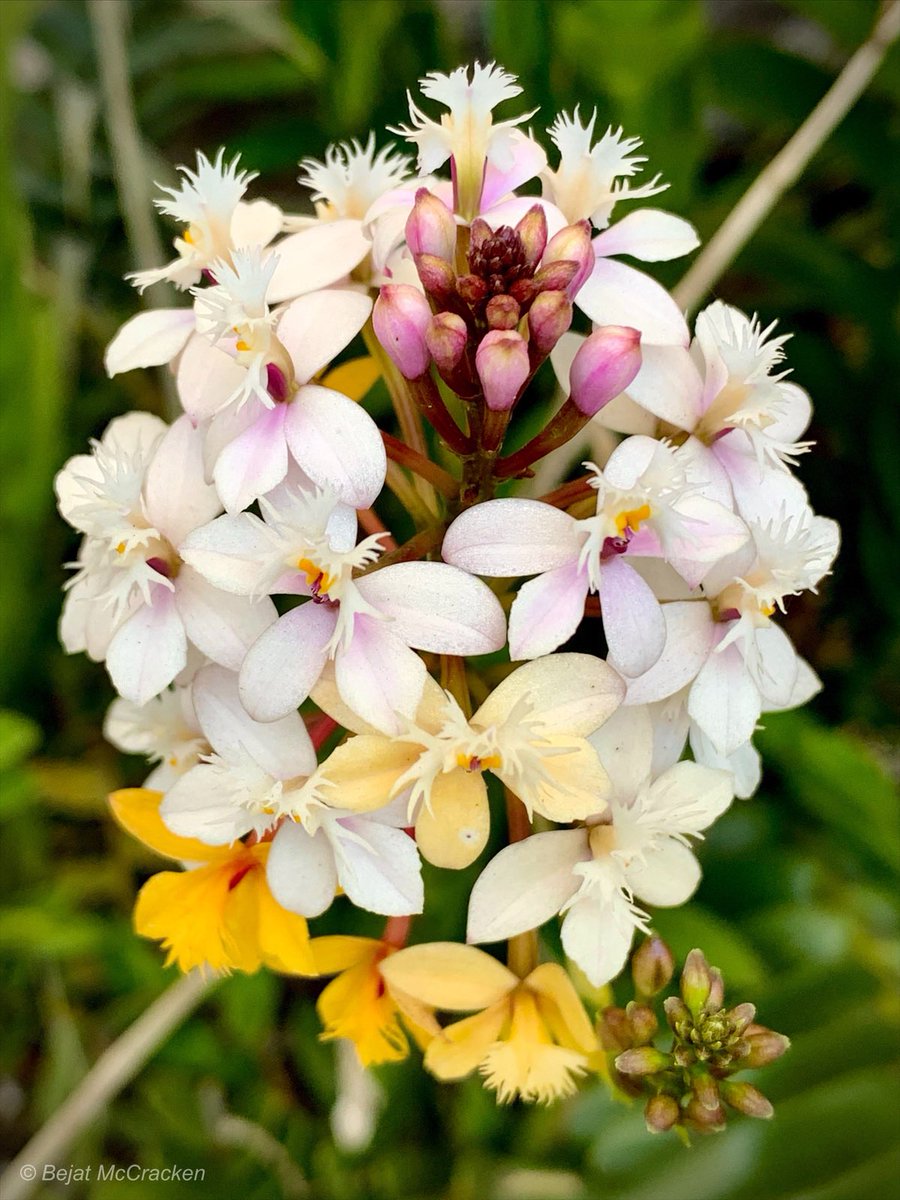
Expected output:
{"points": [[796, 902]]}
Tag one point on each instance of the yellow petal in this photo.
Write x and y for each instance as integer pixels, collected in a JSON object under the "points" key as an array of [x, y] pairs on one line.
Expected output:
{"points": [[561, 1007], [354, 378], [462, 1046], [578, 785], [448, 975], [337, 952], [454, 831], [283, 936], [356, 1006], [432, 707], [328, 698], [572, 693], [418, 1018], [137, 811], [364, 771]]}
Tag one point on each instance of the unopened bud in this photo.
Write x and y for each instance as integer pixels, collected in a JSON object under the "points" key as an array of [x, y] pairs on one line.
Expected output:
{"points": [[677, 1012], [502, 364], [645, 1060], [605, 364], [652, 966], [573, 244], [437, 276], [716, 989], [548, 319], [707, 1120], [746, 1099], [400, 319], [472, 288], [554, 277], [706, 1091], [643, 1022], [661, 1113], [741, 1016], [430, 228], [763, 1046], [502, 312], [695, 982], [446, 339], [614, 1029], [479, 233], [532, 230]]}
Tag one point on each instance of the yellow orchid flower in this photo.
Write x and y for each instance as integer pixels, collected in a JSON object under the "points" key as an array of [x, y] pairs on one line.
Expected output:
{"points": [[530, 1038], [219, 912], [359, 1006]]}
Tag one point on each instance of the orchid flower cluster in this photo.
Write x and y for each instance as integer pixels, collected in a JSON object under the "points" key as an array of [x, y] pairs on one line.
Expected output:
{"points": [[326, 705]]}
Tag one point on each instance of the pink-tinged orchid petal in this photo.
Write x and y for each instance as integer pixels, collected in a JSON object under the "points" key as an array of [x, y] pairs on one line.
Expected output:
{"points": [[316, 258], [512, 210], [512, 537], [632, 618], [704, 470], [197, 806], [690, 635], [255, 223], [698, 535], [149, 650], [149, 340], [220, 625], [774, 667], [547, 611], [301, 871], [283, 665], [619, 295], [227, 552], [281, 748], [648, 234], [176, 495], [378, 676], [630, 460], [667, 875], [434, 606], [597, 936], [525, 885], [381, 872], [227, 425], [528, 159], [207, 378], [337, 444], [668, 385], [759, 489], [316, 328], [624, 745], [724, 700], [255, 462], [793, 414]]}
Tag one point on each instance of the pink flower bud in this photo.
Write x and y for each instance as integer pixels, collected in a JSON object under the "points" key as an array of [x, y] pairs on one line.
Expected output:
{"points": [[548, 319], [502, 364], [532, 230], [572, 244], [401, 317], [437, 276], [604, 366], [446, 339], [430, 228], [502, 312]]}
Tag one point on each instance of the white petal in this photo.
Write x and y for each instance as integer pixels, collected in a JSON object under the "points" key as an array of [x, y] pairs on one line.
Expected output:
{"points": [[744, 764], [598, 937], [384, 875], [525, 885], [254, 462], [149, 339], [668, 385], [176, 494], [571, 693], [301, 871], [197, 806], [228, 552], [434, 606], [255, 223], [207, 378], [315, 258], [378, 676], [337, 444], [547, 611], [690, 630], [774, 667], [221, 625], [316, 328], [624, 745], [648, 234], [668, 875], [632, 618], [282, 666], [724, 700], [689, 796], [671, 725], [281, 748], [149, 650], [806, 685], [619, 295], [511, 537]]}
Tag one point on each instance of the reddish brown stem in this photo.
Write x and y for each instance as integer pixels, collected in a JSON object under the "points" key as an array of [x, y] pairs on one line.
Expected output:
{"points": [[418, 546], [570, 493], [517, 819], [396, 931], [430, 403], [405, 456], [370, 522], [320, 728], [561, 429]]}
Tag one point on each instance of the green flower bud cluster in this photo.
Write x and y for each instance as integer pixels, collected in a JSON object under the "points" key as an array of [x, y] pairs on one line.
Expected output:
{"points": [[688, 1085]]}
